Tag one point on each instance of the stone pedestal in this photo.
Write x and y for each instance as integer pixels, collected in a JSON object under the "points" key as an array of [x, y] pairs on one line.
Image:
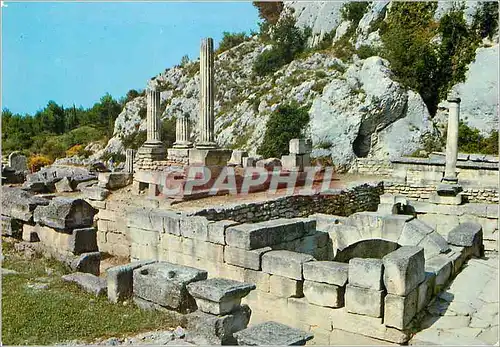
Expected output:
{"points": [[209, 157]]}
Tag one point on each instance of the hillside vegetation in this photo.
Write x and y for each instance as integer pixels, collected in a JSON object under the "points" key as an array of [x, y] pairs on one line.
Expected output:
{"points": [[374, 84]]}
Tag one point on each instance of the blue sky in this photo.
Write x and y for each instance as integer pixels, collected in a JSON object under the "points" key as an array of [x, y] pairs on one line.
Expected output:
{"points": [[76, 52]]}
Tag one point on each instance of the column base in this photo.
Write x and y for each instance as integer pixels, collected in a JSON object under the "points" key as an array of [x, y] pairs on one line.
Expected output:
{"points": [[206, 145], [152, 150], [182, 145], [209, 157], [452, 180]]}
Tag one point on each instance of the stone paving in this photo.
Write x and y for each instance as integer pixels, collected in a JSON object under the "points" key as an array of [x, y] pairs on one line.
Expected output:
{"points": [[467, 312]]}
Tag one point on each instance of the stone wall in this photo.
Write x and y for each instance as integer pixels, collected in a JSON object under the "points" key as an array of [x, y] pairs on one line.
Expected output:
{"points": [[359, 198], [416, 178]]}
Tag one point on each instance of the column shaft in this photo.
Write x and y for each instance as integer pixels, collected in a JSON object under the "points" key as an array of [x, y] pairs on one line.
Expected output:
{"points": [[153, 116], [207, 138], [450, 173]]}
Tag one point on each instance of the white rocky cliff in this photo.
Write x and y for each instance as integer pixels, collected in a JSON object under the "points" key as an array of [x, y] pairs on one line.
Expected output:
{"points": [[357, 109]]}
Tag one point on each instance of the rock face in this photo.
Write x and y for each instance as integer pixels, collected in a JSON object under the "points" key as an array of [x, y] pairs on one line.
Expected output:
{"points": [[357, 108]]}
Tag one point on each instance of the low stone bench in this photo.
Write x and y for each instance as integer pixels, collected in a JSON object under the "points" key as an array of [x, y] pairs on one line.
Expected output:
{"points": [[272, 334]]}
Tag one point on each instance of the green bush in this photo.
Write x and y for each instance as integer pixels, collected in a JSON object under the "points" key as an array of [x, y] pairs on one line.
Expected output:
{"points": [[365, 51], [230, 40], [284, 124], [485, 20], [288, 41], [168, 131], [354, 11], [134, 140]]}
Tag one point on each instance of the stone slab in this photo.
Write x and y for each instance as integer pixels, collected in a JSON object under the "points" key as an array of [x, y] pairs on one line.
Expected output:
{"points": [[120, 280], [272, 334], [330, 272], [243, 258], [400, 310], [404, 270], [365, 273], [285, 263], [364, 301], [322, 294], [88, 282]]}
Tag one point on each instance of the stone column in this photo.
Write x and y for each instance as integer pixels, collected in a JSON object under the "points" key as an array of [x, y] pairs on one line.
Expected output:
{"points": [[206, 126], [450, 173], [182, 130], [153, 117], [129, 160]]}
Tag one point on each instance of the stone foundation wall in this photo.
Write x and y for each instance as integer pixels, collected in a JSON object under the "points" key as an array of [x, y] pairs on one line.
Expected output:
{"points": [[416, 178], [343, 203]]}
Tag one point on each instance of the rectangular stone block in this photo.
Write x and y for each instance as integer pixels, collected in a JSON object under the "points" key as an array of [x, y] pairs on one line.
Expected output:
{"points": [[400, 310], [285, 287], [364, 301], [425, 291], [166, 284], [194, 227], [139, 218], [246, 259], [441, 266], [171, 223], [76, 241], [285, 263], [297, 146], [258, 235], [171, 242], [272, 333], [322, 294], [29, 233], [143, 237], [217, 231], [202, 249], [120, 281], [260, 279], [300, 309], [392, 226], [330, 272], [365, 273], [404, 270]]}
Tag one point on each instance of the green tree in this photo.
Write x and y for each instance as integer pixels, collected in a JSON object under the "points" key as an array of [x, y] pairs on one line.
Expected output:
{"points": [[269, 11], [284, 124], [230, 40]]}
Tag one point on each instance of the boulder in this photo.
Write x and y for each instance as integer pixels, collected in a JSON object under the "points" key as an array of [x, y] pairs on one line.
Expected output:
{"points": [[65, 213], [64, 185], [95, 193]]}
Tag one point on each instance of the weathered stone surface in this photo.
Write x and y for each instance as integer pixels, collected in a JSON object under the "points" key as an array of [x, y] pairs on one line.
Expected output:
{"points": [[413, 232], [20, 204], [218, 329], [87, 262], [434, 244], [17, 161], [441, 266], [263, 234], [285, 263], [364, 301], [365, 273], [166, 284], [29, 233], [330, 272], [114, 180], [426, 291], [272, 334], [194, 227], [74, 241], [322, 294], [400, 310], [65, 213], [217, 231], [269, 164], [468, 234], [404, 270], [237, 157], [95, 193], [82, 185], [219, 295], [243, 258], [11, 226], [87, 282], [64, 185], [120, 280], [284, 287]]}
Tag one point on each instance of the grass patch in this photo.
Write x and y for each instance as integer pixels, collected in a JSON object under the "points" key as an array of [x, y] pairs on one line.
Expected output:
{"points": [[62, 312]]}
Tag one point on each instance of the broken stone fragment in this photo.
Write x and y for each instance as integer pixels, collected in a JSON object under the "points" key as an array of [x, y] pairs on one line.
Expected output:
{"points": [[165, 284], [65, 213], [88, 282], [272, 334]]}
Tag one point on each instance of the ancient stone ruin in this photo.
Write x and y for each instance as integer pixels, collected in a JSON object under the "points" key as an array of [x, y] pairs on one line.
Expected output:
{"points": [[361, 261]]}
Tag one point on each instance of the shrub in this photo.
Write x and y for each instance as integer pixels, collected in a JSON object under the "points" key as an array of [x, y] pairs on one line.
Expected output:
{"points": [[365, 51], [184, 61], [143, 112], [134, 140], [77, 150], [284, 124], [485, 20], [168, 131], [36, 162], [269, 11], [116, 157], [230, 40], [288, 41], [354, 11]]}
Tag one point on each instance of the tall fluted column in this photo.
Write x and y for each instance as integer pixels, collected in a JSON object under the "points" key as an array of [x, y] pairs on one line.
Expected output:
{"points": [[153, 116], [129, 160], [450, 173], [182, 132], [207, 138]]}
